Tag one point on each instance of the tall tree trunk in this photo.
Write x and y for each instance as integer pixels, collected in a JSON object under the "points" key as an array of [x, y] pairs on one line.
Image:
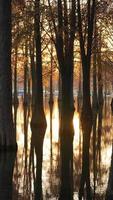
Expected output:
{"points": [[7, 134], [64, 44], [86, 114], [38, 122], [86, 122], [66, 136], [38, 117]]}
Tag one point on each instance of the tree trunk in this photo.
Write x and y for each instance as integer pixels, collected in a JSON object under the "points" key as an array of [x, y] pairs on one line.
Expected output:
{"points": [[38, 122], [7, 134], [66, 136], [38, 144], [86, 123]]}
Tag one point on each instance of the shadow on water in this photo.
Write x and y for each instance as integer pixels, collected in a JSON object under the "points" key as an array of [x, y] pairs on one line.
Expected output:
{"points": [[7, 161]]}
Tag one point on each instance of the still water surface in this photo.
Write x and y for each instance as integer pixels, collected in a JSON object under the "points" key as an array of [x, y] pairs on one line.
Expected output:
{"points": [[21, 183]]}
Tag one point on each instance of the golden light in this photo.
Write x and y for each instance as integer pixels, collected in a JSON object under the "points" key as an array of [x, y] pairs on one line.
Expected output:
{"points": [[76, 124]]}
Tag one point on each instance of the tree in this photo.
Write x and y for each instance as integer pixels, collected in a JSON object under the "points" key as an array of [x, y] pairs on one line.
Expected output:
{"points": [[86, 40], [38, 122], [7, 134], [64, 31]]}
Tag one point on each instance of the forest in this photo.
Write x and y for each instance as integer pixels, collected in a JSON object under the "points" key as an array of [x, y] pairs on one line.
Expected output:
{"points": [[56, 99]]}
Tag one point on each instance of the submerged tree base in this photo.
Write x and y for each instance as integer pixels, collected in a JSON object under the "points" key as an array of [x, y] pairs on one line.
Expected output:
{"points": [[109, 195], [9, 148]]}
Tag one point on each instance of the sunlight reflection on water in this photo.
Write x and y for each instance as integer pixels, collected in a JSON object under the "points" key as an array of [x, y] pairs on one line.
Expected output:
{"points": [[50, 172]]}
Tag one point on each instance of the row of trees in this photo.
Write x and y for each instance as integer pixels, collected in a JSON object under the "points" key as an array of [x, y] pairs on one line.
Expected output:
{"points": [[44, 24]]}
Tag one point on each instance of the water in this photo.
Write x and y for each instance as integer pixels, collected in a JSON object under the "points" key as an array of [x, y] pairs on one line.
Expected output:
{"points": [[22, 179]]}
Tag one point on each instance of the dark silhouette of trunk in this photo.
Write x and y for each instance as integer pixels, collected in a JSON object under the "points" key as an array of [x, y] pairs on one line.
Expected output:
{"points": [[109, 191], [7, 134], [64, 44], [38, 145], [66, 142], [86, 113], [86, 122], [38, 116], [38, 122], [66, 136], [7, 161]]}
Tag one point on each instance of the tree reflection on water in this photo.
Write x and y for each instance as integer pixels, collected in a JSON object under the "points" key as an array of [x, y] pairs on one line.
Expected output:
{"points": [[25, 182]]}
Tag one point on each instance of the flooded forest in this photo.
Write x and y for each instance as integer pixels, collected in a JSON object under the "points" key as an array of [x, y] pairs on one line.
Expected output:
{"points": [[56, 100]]}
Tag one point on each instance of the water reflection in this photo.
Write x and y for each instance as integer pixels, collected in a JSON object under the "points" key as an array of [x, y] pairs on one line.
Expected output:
{"points": [[6, 175], [27, 183]]}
